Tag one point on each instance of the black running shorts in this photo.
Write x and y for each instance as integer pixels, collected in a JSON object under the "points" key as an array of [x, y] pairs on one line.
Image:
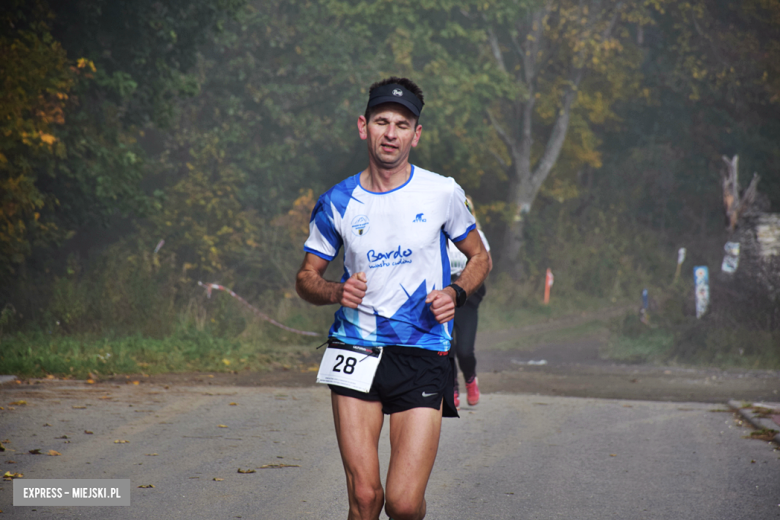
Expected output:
{"points": [[410, 377]]}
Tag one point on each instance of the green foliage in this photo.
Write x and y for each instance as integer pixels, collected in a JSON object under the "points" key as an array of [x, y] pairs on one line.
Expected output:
{"points": [[143, 50], [214, 124], [36, 81], [39, 354]]}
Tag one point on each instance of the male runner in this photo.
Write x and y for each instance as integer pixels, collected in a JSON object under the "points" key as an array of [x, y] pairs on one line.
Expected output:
{"points": [[393, 220]]}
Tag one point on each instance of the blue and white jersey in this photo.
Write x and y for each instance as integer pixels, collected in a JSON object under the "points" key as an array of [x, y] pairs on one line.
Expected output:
{"points": [[399, 239]]}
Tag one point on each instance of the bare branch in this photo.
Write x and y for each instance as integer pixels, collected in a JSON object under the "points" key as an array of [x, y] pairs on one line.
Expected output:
{"points": [[558, 134], [496, 48], [499, 159], [749, 197], [510, 144], [530, 47], [466, 14], [608, 31]]}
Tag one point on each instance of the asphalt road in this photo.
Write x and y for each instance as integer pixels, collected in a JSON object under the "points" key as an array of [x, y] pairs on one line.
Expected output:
{"points": [[514, 456]]}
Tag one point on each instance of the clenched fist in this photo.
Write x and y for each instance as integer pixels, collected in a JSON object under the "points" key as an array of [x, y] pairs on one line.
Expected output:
{"points": [[353, 290], [442, 304]]}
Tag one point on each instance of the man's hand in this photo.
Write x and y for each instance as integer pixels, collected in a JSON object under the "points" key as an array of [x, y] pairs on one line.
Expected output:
{"points": [[354, 290], [442, 304]]}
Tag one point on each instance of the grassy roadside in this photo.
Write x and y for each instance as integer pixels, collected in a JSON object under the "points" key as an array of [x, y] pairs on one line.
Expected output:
{"points": [[37, 354], [691, 342], [258, 346]]}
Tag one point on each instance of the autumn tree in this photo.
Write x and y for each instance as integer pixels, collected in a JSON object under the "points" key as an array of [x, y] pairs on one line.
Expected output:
{"points": [[37, 79], [572, 60], [79, 80]]}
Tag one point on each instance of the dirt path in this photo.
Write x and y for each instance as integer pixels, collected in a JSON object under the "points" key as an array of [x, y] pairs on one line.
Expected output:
{"points": [[574, 368]]}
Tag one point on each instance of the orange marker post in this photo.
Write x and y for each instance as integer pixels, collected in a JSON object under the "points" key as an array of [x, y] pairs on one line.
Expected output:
{"points": [[548, 281]]}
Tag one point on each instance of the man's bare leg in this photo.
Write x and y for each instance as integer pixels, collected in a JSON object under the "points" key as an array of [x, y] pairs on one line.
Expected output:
{"points": [[358, 425], [414, 441]]}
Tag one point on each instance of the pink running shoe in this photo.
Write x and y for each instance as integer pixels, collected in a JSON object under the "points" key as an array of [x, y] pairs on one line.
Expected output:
{"points": [[457, 399], [472, 392]]}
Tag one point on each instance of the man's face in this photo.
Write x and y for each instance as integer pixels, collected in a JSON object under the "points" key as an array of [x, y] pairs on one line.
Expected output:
{"points": [[391, 133]]}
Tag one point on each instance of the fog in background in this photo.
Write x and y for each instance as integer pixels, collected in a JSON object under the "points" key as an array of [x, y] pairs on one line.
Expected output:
{"points": [[150, 145]]}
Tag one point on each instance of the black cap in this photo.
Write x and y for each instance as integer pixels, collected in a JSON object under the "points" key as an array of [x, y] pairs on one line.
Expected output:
{"points": [[395, 93]]}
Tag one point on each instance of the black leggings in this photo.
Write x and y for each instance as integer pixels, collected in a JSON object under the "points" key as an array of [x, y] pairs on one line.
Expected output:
{"points": [[464, 334]]}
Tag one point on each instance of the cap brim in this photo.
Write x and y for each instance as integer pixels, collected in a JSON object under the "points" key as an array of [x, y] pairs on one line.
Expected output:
{"points": [[395, 99]]}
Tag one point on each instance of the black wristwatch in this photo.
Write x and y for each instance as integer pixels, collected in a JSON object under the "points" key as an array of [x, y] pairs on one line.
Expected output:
{"points": [[460, 295]]}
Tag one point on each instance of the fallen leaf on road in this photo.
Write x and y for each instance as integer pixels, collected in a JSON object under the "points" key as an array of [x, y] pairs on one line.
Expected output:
{"points": [[218, 479], [18, 403], [119, 441], [264, 466], [2, 448], [50, 377], [90, 381], [36, 451], [221, 426], [105, 397], [63, 437], [47, 424], [151, 454], [246, 470], [79, 407], [88, 432], [54, 453], [613, 454], [136, 382], [146, 486], [233, 404], [8, 475]]}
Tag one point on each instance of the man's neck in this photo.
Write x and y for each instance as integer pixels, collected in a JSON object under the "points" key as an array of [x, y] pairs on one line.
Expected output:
{"points": [[381, 180]]}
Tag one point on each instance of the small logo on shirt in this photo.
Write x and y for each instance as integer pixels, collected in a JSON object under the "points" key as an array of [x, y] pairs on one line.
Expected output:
{"points": [[360, 225], [419, 218], [398, 92], [425, 394]]}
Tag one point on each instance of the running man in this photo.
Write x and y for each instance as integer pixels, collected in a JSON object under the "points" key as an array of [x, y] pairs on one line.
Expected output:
{"points": [[389, 344]]}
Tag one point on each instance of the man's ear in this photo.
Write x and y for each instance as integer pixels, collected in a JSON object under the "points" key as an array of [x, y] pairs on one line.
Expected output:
{"points": [[417, 134], [362, 125]]}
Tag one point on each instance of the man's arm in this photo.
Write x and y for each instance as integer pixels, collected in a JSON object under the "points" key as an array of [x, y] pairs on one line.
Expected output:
{"points": [[476, 270], [312, 287]]}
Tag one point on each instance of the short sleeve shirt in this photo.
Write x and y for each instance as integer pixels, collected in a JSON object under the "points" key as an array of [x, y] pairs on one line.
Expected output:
{"points": [[457, 259], [399, 239]]}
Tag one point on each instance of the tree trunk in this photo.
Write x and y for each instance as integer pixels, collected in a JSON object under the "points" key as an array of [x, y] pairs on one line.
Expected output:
{"points": [[516, 131]]}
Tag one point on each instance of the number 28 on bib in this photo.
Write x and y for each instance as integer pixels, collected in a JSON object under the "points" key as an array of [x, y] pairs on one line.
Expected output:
{"points": [[350, 366]]}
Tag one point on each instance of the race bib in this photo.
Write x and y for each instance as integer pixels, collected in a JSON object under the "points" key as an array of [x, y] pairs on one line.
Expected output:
{"points": [[350, 366]]}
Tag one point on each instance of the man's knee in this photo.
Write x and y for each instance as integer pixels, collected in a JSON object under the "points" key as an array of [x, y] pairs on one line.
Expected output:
{"points": [[402, 508], [368, 498]]}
